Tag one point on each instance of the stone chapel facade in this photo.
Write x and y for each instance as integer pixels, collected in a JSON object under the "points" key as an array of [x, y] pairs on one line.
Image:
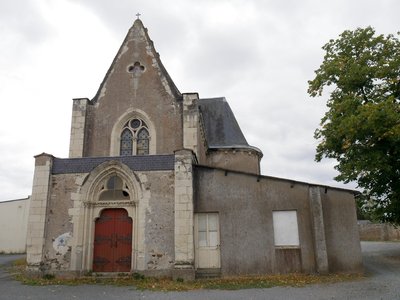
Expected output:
{"points": [[165, 184]]}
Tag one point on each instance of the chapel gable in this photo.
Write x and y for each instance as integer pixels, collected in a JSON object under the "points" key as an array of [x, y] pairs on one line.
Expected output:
{"points": [[137, 108], [165, 184]]}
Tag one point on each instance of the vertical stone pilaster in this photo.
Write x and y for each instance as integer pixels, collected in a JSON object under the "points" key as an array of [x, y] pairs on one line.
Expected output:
{"points": [[184, 239], [142, 208], [77, 213], [37, 212], [191, 122], [78, 123], [317, 218]]}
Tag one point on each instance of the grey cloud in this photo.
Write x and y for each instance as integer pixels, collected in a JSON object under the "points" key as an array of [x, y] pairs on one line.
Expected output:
{"points": [[16, 171], [260, 61], [22, 29], [15, 183], [22, 17], [221, 62]]}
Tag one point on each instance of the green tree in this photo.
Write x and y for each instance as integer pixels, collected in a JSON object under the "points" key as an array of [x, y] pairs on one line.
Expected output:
{"points": [[361, 128]]}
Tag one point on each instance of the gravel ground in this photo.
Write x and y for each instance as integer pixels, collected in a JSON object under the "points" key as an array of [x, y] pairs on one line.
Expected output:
{"points": [[381, 261]]}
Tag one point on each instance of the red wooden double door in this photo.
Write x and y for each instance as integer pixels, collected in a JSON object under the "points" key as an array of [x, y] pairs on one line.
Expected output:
{"points": [[113, 242]]}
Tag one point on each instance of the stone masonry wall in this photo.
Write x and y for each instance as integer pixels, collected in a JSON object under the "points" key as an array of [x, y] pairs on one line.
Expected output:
{"points": [[184, 247], [159, 231], [155, 219], [37, 211], [78, 123], [57, 254], [191, 122], [125, 89], [378, 232]]}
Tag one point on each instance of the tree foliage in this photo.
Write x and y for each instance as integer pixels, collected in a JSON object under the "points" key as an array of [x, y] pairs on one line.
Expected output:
{"points": [[361, 128]]}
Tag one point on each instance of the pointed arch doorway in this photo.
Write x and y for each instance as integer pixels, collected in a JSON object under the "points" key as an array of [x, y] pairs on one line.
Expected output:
{"points": [[113, 241], [110, 186]]}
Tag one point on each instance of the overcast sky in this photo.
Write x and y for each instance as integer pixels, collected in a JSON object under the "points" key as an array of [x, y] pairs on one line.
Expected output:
{"points": [[257, 54]]}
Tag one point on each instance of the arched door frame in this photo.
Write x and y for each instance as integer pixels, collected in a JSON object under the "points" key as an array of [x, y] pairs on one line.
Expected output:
{"points": [[88, 208]]}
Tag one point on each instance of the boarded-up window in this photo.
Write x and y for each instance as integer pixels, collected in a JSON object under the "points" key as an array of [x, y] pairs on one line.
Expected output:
{"points": [[286, 231]]}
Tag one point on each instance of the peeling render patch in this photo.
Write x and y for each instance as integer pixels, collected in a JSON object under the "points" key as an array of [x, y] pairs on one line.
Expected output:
{"points": [[124, 49], [164, 81], [137, 34], [60, 243], [102, 92], [149, 51]]}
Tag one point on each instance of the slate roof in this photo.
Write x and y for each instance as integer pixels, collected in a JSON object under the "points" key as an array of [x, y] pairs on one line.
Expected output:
{"points": [[220, 125], [135, 163]]}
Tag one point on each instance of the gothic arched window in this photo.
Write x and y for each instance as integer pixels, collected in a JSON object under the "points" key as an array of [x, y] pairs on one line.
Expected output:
{"points": [[135, 138], [126, 142], [142, 144]]}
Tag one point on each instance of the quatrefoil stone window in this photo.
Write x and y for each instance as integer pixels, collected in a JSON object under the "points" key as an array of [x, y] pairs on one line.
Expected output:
{"points": [[136, 69]]}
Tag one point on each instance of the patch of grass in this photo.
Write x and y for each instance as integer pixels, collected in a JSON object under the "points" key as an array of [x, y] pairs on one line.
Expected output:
{"points": [[267, 281], [239, 283], [141, 282], [49, 276], [19, 262], [137, 276]]}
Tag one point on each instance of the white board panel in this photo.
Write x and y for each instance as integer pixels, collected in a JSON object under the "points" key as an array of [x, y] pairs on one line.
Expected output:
{"points": [[286, 231]]}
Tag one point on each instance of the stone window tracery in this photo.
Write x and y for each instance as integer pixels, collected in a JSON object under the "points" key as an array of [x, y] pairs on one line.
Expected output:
{"points": [[135, 138], [114, 188], [126, 142]]}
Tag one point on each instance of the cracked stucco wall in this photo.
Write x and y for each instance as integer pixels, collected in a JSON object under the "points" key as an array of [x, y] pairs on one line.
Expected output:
{"points": [[57, 253], [159, 229]]}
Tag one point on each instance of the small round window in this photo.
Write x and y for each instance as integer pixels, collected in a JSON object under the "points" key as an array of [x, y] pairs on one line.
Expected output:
{"points": [[135, 123]]}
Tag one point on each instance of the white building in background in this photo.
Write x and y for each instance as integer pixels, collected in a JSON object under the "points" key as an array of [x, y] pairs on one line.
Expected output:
{"points": [[14, 225]]}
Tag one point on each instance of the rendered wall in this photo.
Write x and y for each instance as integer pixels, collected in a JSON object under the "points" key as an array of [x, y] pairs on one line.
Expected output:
{"points": [[14, 225], [243, 160], [245, 204], [341, 231]]}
